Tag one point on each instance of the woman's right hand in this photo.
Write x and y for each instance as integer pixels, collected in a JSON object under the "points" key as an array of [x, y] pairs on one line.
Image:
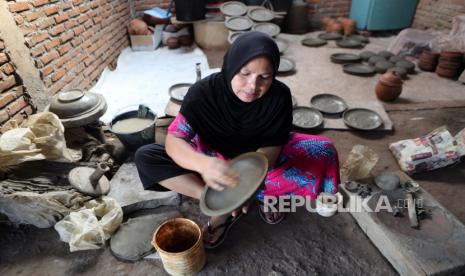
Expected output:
{"points": [[217, 175]]}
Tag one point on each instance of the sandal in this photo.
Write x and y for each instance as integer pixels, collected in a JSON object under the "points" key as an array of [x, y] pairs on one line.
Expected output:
{"points": [[265, 218], [226, 225]]}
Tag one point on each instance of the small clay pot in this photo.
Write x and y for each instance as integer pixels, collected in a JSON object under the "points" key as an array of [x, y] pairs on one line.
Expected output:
{"points": [[172, 42], [349, 26], [428, 61], [137, 27], [336, 27], [388, 87], [325, 21]]}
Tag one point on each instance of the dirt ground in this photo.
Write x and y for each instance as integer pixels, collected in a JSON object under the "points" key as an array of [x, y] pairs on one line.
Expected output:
{"points": [[303, 244]]}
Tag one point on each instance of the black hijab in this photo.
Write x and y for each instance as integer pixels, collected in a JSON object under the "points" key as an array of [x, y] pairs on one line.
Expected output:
{"points": [[226, 123]]}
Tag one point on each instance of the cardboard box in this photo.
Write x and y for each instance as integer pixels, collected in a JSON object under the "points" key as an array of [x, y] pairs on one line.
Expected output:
{"points": [[147, 42]]}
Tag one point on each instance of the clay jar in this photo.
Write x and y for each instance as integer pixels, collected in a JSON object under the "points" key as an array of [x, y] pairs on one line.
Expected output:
{"points": [[388, 87], [348, 26], [335, 27]]}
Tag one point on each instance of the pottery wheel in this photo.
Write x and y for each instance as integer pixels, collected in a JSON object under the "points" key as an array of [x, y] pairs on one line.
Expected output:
{"points": [[79, 179], [252, 168], [306, 117]]}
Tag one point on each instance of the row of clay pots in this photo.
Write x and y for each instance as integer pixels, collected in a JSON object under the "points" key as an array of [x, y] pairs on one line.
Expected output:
{"points": [[176, 42], [428, 61], [449, 65], [342, 25], [389, 86]]}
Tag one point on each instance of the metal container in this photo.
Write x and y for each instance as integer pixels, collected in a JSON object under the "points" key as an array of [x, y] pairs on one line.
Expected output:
{"points": [[180, 246]]}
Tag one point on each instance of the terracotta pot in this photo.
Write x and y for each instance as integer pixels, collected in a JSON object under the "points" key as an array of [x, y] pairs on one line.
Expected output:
{"points": [[336, 27], [325, 21], [137, 27], [349, 26], [389, 86], [329, 25]]}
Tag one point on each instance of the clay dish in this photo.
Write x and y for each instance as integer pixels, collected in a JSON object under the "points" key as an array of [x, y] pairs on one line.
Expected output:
{"points": [[268, 28], [343, 58], [238, 23], [362, 119], [260, 14], [330, 36], [328, 103], [252, 168], [314, 42], [233, 8], [306, 117]]}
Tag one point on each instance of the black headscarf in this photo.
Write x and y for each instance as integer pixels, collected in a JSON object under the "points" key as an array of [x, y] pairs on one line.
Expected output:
{"points": [[226, 123]]}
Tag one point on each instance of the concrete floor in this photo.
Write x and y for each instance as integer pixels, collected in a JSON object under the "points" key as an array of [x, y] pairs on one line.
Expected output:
{"points": [[304, 244]]}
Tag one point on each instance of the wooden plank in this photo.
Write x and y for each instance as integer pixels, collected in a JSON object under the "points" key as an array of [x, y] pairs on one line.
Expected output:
{"points": [[436, 248]]}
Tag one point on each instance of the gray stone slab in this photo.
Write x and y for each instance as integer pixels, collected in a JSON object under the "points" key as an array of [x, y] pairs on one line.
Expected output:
{"points": [[127, 189]]}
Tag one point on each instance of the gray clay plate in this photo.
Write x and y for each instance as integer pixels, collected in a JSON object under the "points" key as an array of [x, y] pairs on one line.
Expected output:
{"points": [[233, 8], [286, 65], [328, 103], [358, 69], [260, 14], [238, 23], [314, 42], [252, 168], [349, 43], [178, 91], [360, 38], [232, 36], [330, 36], [306, 117], [282, 45], [268, 28], [343, 58], [362, 118]]}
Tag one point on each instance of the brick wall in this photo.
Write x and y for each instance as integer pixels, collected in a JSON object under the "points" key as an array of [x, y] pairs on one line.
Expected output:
{"points": [[317, 9], [14, 102], [437, 14], [72, 41]]}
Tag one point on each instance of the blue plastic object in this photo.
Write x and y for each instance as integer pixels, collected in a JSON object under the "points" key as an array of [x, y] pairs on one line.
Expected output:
{"points": [[378, 15]]}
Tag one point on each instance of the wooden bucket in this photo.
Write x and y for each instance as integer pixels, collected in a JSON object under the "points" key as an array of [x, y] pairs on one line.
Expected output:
{"points": [[179, 243]]}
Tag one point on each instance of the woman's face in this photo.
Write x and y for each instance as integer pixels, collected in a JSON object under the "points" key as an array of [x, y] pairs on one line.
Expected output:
{"points": [[253, 80]]}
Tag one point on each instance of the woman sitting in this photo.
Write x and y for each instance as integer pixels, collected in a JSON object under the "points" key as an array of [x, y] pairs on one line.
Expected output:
{"points": [[241, 109]]}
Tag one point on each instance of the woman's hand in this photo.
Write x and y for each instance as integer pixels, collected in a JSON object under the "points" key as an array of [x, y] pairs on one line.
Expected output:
{"points": [[217, 175]]}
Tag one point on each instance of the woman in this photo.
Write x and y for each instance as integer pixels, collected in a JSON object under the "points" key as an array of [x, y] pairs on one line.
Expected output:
{"points": [[241, 109]]}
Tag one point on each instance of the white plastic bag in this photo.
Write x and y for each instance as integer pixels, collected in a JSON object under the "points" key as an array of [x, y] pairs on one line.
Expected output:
{"points": [[90, 227]]}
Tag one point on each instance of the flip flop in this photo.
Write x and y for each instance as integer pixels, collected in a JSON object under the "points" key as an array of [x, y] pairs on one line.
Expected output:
{"points": [[226, 225], [264, 217]]}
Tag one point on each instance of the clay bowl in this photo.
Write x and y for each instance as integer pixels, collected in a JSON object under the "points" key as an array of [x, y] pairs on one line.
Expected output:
{"points": [[366, 55], [385, 54], [387, 93], [395, 59], [382, 66]]}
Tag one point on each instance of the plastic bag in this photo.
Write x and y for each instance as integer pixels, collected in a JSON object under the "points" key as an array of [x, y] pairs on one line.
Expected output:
{"points": [[359, 163], [41, 136], [90, 227], [432, 151]]}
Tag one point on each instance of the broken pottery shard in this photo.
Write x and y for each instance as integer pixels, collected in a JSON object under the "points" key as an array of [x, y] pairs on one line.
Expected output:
{"points": [[128, 191]]}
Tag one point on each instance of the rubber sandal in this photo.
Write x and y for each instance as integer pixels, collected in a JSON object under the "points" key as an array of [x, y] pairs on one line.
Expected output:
{"points": [[264, 217], [226, 225]]}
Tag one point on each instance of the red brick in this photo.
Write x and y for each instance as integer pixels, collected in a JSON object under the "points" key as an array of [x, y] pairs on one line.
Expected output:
{"points": [[94, 4], [74, 12], [80, 68], [84, 8], [3, 118], [27, 30], [87, 34], [61, 61], [37, 50], [45, 22], [77, 2], [16, 106], [70, 24], [19, 19], [66, 36], [46, 71], [31, 16], [71, 64], [7, 83], [76, 42], [97, 19], [88, 61], [65, 48], [51, 10], [88, 71], [6, 98], [52, 44], [79, 30], [61, 18], [38, 3], [8, 69], [18, 90], [38, 38], [3, 58], [57, 30], [18, 6], [58, 74], [56, 87], [47, 58], [83, 18]]}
